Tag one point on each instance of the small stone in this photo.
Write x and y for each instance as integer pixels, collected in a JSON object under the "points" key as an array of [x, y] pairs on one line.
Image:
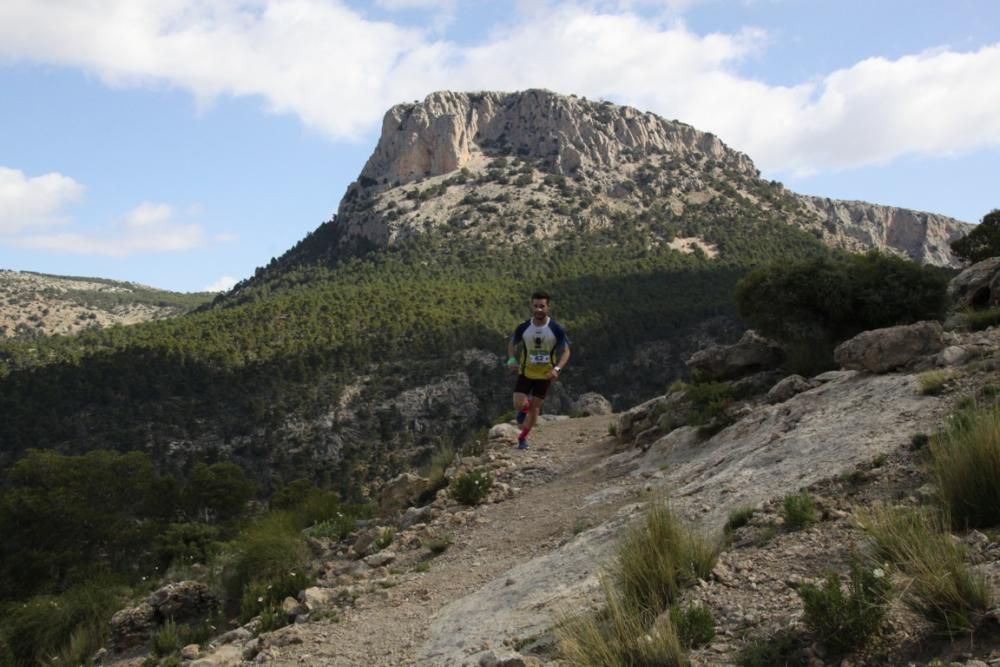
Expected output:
{"points": [[190, 652]]}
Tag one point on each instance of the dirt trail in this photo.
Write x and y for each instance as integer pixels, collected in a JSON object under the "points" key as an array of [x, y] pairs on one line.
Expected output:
{"points": [[565, 464]]}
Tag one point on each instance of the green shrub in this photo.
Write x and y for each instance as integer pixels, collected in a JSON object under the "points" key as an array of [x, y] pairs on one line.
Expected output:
{"points": [[291, 495], [167, 639], [186, 543], [982, 242], [218, 492], [266, 595], [438, 545], [977, 320], [829, 300], [272, 617], [268, 550], [965, 462], [941, 586], [845, 620], [709, 401], [336, 528], [470, 488], [932, 383], [798, 510], [441, 458], [658, 557], [384, 539], [694, 624], [783, 649], [738, 518], [72, 624], [620, 635]]}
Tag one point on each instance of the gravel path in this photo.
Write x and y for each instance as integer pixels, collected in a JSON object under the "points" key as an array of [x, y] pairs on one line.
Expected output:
{"points": [[564, 465]]}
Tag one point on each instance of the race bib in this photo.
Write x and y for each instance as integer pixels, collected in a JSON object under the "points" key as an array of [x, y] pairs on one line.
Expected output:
{"points": [[539, 358]]}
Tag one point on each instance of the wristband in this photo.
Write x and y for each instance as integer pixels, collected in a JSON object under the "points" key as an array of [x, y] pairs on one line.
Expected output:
{"points": [[512, 361]]}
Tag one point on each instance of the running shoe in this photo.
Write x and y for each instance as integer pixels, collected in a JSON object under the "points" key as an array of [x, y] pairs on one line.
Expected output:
{"points": [[522, 443]]}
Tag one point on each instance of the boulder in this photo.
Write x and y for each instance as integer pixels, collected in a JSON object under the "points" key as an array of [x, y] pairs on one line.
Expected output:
{"points": [[224, 656], [504, 432], [403, 491], [751, 354], [491, 659], [380, 558], [953, 355], [589, 404], [881, 350], [291, 607], [183, 600], [316, 597], [132, 627], [790, 386], [364, 541], [415, 515], [977, 286], [657, 416]]}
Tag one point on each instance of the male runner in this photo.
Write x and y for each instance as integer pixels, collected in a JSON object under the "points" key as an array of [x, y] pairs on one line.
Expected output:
{"points": [[532, 352]]}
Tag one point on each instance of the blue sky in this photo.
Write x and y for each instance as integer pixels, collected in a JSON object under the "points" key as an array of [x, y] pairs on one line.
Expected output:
{"points": [[183, 143]]}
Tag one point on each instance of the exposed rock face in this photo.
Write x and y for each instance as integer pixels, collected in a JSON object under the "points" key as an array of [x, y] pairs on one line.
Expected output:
{"points": [[859, 226], [752, 353], [978, 286], [881, 350], [448, 130]]}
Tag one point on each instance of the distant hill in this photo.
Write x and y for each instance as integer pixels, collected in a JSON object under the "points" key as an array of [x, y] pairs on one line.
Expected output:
{"points": [[37, 304]]}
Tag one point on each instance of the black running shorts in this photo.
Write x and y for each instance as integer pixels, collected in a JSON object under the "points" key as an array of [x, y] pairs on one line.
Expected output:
{"points": [[536, 388]]}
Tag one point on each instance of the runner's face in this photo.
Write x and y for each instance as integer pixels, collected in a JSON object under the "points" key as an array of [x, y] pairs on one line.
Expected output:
{"points": [[539, 309]]}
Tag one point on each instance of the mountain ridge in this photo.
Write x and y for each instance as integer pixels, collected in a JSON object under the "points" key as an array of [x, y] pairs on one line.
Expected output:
{"points": [[554, 165]]}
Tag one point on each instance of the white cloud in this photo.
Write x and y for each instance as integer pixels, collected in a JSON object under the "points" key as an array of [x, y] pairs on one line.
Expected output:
{"points": [[932, 104], [223, 284], [148, 214], [27, 202], [148, 228], [396, 5], [338, 71]]}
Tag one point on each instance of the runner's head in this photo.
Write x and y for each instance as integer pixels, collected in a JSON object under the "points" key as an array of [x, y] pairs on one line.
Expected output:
{"points": [[540, 305]]}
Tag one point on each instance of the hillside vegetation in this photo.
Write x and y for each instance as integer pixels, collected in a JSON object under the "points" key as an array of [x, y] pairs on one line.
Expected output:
{"points": [[290, 345]]}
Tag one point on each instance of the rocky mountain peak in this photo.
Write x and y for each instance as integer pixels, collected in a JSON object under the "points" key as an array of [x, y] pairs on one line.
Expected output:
{"points": [[451, 130], [536, 167]]}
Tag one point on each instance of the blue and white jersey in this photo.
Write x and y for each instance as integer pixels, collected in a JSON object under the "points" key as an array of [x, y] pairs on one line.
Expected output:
{"points": [[539, 347]]}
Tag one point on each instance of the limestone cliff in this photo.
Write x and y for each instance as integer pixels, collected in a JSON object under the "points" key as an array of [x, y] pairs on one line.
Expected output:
{"points": [[448, 131], [860, 226], [478, 162]]}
